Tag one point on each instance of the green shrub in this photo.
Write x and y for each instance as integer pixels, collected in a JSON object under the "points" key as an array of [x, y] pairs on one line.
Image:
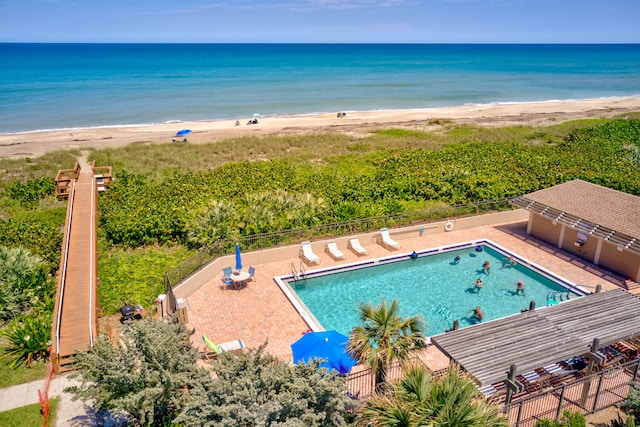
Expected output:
{"points": [[568, 419], [24, 283], [28, 339], [135, 276], [30, 193]]}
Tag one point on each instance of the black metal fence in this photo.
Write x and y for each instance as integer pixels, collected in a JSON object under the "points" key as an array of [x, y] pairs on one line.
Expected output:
{"points": [[585, 395], [361, 384]]}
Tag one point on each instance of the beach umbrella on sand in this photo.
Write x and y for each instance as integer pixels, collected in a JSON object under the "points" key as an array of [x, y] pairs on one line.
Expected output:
{"points": [[238, 258], [329, 345], [183, 132]]}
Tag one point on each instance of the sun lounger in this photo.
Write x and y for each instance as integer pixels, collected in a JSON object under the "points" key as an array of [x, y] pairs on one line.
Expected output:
{"points": [[332, 249], [386, 240], [217, 349], [356, 247], [306, 253]]}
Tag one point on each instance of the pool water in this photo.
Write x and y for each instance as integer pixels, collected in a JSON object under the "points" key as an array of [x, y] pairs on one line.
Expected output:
{"points": [[433, 286]]}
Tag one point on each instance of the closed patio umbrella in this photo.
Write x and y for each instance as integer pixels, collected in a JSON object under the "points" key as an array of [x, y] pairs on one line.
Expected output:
{"points": [[238, 258]]}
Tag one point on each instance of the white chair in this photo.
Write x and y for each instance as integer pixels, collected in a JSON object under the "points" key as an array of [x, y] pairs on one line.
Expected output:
{"points": [[306, 253], [386, 240], [332, 249], [356, 247]]}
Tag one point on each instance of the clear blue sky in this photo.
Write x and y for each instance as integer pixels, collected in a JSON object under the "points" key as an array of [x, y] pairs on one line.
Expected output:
{"points": [[316, 21]]}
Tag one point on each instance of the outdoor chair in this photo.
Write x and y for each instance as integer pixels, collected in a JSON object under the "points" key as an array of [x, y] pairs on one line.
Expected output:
{"points": [[333, 251], [226, 282], [252, 272], [356, 247], [307, 255], [386, 240], [218, 349], [226, 272]]}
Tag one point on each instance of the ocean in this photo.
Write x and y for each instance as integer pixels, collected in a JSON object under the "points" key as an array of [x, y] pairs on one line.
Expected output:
{"points": [[60, 86]]}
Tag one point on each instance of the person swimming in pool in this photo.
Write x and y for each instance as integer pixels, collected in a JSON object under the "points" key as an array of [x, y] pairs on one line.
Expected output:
{"points": [[477, 313], [478, 285], [508, 262], [486, 267]]}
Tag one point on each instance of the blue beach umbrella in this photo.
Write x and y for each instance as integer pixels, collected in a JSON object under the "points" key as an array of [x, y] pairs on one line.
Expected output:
{"points": [[183, 132], [238, 258], [329, 345]]}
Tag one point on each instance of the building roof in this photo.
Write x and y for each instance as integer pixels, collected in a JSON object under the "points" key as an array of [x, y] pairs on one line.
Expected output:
{"points": [[609, 214], [543, 336]]}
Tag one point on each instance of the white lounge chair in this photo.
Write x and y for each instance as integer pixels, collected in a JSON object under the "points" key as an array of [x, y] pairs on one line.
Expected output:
{"points": [[306, 253], [356, 247], [386, 240], [332, 249]]}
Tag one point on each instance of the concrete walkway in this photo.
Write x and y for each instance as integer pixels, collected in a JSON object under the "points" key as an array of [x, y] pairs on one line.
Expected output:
{"points": [[27, 394], [69, 413]]}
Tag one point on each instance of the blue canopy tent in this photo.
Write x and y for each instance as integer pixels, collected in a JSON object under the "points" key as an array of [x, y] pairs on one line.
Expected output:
{"points": [[329, 345], [238, 258]]}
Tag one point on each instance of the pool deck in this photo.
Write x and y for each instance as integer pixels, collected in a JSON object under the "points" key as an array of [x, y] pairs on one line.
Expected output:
{"points": [[260, 312]]}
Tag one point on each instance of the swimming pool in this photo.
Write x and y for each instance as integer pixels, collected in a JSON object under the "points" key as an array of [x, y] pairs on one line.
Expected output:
{"points": [[432, 285]]}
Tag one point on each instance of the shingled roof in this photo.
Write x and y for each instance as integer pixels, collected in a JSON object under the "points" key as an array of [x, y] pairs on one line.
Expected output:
{"points": [[609, 214]]}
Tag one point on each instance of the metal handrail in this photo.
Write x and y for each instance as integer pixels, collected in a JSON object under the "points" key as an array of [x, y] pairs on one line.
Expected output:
{"points": [[63, 277], [93, 258]]}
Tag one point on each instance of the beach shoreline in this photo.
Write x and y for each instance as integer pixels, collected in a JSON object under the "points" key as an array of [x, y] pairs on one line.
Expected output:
{"points": [[36, 143]]}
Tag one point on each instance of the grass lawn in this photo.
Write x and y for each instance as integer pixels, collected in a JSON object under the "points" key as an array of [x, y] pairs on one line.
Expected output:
{"points": [[27, 416], [20, 375]]}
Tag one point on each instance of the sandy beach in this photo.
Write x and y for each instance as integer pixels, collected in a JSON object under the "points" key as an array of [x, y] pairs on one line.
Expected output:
{"points": [[37, 143]]}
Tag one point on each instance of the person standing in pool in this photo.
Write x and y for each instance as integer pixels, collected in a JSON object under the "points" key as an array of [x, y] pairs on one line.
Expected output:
{"points": [[456, 260], [520, 288], [486, 267]]}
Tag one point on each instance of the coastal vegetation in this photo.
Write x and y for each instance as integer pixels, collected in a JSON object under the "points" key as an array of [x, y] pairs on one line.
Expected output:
{"points": [[170, 200], [152, 376]]}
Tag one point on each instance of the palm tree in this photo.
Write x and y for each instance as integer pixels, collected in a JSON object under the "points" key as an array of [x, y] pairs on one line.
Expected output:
{"points": [[420, 399], [384, 337]]}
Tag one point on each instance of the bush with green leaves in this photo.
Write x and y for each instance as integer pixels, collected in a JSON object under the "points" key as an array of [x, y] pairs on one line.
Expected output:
{"points": [[258, 389], [25, 284], [255, 213], [152, 375], [148, 374], [631, 405], [568, 419], [28, 339], [32, 191]]}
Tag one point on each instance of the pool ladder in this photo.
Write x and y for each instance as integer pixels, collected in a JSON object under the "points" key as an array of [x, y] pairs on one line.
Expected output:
{"points": [[559, 296], [299, 275]]}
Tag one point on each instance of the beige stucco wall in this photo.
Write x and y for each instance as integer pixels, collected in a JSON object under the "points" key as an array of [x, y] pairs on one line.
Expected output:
{"points": [[622, 262], [213, 269], [544, 229]]}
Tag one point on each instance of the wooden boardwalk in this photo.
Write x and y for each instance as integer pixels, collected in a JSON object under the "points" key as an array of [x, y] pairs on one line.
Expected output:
{"points": [[74, 325]]}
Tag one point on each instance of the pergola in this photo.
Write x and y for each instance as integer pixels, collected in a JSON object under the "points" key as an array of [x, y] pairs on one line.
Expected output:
{"points": [[543, 336]]}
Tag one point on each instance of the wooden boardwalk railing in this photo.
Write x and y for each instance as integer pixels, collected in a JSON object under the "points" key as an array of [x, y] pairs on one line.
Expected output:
{"points": [[75, 319]]}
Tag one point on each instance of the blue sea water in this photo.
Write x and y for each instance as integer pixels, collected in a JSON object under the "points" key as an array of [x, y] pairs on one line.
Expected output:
{"points": [[50, 86]]}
